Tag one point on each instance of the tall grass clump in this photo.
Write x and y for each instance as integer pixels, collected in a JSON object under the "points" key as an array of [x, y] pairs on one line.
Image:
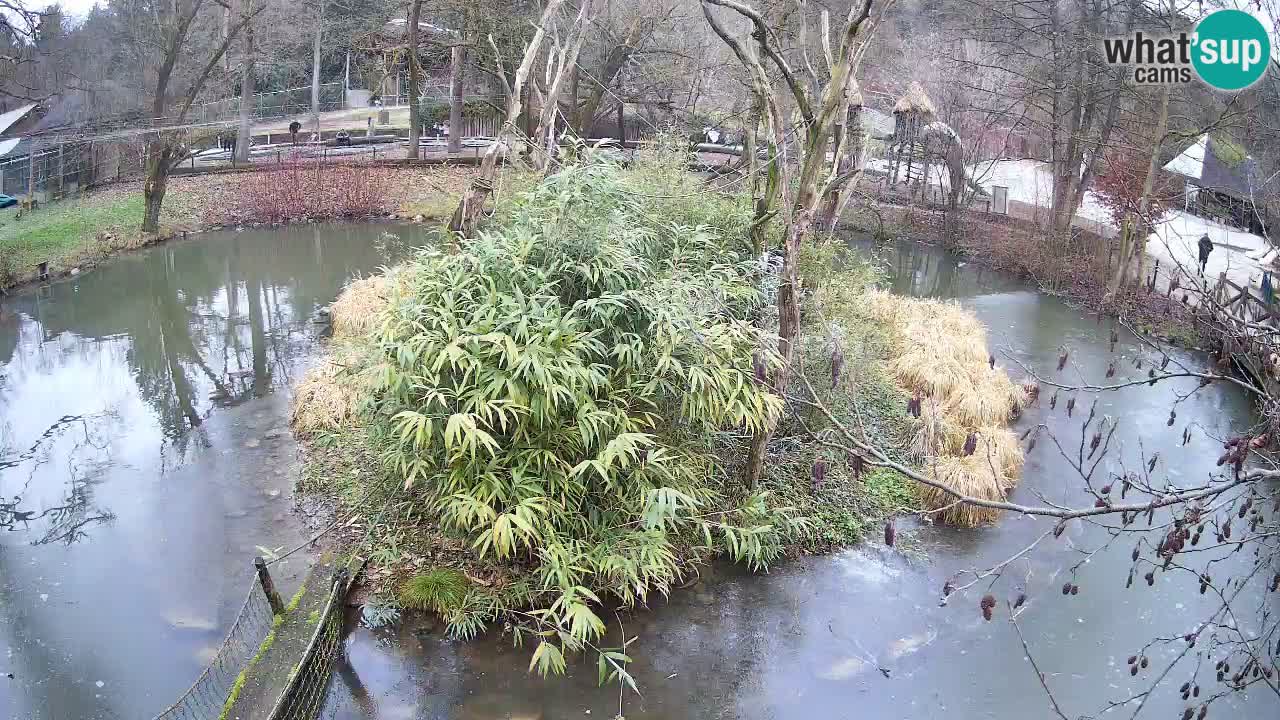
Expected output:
{"points": [[941, 356], [553, 390], [330, 394]]}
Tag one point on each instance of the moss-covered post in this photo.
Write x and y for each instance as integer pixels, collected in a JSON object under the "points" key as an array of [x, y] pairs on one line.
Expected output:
{"points": [[268, 586]]}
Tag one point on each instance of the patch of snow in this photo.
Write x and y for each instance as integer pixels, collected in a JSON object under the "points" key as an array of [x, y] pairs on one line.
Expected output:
{"points": [[1176, 242], [1191, 161], [6, 146], [1031, 182], [1265, 256], [13, 116]]}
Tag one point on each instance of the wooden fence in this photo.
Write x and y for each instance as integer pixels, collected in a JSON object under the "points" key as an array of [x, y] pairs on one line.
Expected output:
{"points": [[1240, 321]]}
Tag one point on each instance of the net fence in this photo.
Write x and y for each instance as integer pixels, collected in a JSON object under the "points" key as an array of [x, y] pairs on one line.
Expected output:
{"points": [[275, 104], [206, 696], [303, 697]]}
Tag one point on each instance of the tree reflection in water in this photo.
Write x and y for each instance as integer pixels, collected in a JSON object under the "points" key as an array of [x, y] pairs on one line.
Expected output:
{"points": [[67, 521], [194, 327]]}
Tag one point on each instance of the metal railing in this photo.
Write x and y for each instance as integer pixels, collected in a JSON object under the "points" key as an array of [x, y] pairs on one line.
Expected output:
{"points": [[278, 103]]}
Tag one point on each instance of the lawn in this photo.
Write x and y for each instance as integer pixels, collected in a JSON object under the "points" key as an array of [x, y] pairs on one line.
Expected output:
{"points": [[64, 234]]}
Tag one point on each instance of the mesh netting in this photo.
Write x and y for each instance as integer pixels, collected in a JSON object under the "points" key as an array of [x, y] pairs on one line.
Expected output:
{"points": [[303, 698], [206, 696]]}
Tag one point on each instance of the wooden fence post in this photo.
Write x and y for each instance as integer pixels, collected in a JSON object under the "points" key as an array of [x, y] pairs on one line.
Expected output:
{"points": [[268, 586]]}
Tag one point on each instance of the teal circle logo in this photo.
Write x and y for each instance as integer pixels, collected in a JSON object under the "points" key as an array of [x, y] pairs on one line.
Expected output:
{"points": [[1231, 50]]}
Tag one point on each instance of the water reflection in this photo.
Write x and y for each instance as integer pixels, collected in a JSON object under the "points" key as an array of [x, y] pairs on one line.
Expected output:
{"points": [[145, 455], [913, 268]]}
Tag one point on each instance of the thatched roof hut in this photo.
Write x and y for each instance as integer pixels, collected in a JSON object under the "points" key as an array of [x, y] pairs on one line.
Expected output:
{"points": [[915, 101]]}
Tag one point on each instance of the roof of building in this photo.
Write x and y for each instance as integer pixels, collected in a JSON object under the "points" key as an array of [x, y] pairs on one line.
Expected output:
{"points": [[8, 119], [1217, 164], [915, 100]]}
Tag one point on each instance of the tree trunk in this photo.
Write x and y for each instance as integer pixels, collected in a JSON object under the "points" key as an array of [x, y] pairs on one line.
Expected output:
{"points": [[1133, 238], [613, 64], [245, 133], [159, 152], [622, 117], [457, 66], [472, 204], [750, 136], [849, 142], [575, 74], [315, 72], [415, 119]]}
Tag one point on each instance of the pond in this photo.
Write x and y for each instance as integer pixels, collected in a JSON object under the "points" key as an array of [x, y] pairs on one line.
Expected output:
{"points": [[145, 457], [861, 633]]}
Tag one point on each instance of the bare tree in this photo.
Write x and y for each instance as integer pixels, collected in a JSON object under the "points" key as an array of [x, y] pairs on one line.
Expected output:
{"points": [[315, 69], [244, 134], [817, 109], [562, 62], [415, 78], [473, 200], [182, 43], [457, 75], [1046, 53]]}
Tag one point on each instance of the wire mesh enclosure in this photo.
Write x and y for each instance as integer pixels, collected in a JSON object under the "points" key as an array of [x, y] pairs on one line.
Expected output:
{"points": [[303, 697], [207, 695]]}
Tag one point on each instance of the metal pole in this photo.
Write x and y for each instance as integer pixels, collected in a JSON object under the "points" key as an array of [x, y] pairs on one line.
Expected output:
{"points": [[622, 123], [268, 586]]}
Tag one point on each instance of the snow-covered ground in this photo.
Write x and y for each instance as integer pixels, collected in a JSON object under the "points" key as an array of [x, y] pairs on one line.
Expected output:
{"points": [[1176, 243], [1031, 182]]}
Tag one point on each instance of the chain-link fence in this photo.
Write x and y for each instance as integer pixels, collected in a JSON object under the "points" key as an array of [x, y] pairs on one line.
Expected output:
{"points": [[207, 695], [276, 104], [52, 169], [303, 697]]}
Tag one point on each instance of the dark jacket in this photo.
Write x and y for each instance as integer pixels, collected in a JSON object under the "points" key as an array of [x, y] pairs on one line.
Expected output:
{"points": [[1206, 246]]}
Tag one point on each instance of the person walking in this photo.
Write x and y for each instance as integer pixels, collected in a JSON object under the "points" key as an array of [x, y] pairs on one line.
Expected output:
{"points": [[1206, 247], [294, 127]]}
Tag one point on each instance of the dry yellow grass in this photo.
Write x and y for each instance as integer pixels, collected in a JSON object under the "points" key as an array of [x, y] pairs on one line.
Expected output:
{"points": [[326, 399], [358, 308], [971, 475], [941, 354]]}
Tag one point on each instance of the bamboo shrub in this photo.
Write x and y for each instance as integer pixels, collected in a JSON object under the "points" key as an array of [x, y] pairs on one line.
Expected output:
{"points": [[550, 389]]}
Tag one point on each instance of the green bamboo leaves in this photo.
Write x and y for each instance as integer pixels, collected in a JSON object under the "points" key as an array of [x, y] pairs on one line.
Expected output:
{"points": [[553, 390]]}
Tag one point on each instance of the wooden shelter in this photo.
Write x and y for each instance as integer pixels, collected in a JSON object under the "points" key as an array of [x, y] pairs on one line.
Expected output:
{"points": [[913, 112]]}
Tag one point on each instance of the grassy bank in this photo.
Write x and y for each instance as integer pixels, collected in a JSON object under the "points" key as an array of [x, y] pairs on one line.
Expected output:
{"points": [[79, 233], [553, 416], [66, 234], [1021, 248]]}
